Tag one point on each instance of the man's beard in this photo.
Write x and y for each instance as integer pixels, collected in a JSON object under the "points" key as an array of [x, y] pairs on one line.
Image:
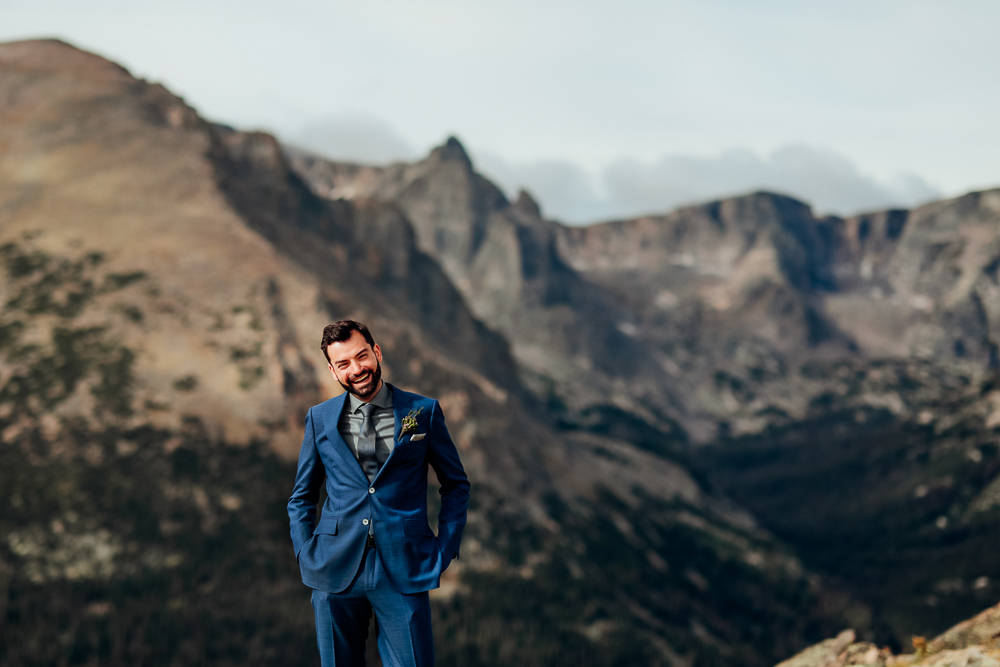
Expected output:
{"points": [[370, 386]]}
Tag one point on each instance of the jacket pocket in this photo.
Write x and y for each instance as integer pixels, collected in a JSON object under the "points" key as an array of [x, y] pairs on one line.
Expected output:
{"points": [[326, 526], [417, 527]]}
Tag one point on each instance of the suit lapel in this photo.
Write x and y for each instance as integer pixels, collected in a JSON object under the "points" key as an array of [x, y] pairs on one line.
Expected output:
{"points": [[400, 406], [339, 445]]}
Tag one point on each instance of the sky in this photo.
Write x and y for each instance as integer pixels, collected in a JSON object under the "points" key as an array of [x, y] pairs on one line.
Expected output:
{"points": [[600, 109]]}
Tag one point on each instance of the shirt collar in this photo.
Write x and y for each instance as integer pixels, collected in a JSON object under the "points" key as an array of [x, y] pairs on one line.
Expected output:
{"points": [[383, 399]]}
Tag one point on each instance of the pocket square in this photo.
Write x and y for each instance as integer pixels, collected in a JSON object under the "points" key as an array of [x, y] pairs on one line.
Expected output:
{"points": [[417, 436]]}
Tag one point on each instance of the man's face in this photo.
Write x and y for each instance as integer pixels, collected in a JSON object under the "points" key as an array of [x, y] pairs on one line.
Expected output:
{"points": [[357, 366]]}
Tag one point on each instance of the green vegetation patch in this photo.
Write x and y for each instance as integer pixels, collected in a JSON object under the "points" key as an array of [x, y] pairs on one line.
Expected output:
{"points": [[46, 368]]}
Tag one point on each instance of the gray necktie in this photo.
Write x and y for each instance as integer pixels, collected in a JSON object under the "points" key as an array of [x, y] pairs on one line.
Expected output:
{"points": [[366, 442]]}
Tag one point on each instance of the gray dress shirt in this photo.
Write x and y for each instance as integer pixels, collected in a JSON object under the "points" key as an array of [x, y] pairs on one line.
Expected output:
{"points": [[351, 419]]}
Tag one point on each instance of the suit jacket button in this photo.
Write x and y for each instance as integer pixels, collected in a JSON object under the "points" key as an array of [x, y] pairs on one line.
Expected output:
{"points": [[364, 522], [371, 490]]}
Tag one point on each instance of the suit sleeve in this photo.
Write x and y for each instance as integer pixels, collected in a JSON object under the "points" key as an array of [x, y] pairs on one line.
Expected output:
{"points": [[305, 494], [443, 457]]}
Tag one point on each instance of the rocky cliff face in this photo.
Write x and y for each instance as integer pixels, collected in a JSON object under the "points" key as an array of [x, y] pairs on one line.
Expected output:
{"points": [[708, 306], [165, 283], [726, 297]]}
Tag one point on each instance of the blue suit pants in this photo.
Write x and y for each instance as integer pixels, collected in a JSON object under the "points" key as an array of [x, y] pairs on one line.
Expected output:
{"points": [[404, 621]]}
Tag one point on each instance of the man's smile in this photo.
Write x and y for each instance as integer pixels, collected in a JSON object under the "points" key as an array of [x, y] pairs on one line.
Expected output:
{"points": [[361, 379], [365, 383]]}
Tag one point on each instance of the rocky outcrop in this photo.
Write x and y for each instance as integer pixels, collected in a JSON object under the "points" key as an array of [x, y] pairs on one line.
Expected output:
{"points": [[972, 642], [982, 630]]}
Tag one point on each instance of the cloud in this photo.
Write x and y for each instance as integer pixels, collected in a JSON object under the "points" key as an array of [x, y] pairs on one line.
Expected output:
{"points": [[829, 182], [564, 190], [353, 138]]}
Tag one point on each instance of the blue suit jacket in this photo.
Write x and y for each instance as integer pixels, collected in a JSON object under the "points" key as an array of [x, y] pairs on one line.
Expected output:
{"points": [[329, 552]]}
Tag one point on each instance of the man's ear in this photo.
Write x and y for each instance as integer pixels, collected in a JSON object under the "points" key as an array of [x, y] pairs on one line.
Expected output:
{"points": [[378, 352]]}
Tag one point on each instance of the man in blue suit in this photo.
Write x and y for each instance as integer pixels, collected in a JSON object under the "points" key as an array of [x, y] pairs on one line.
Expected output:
{"points": [[372, 549]]}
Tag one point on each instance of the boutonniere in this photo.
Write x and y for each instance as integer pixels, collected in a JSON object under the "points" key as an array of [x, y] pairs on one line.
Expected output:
{"points": [[410, 422]]}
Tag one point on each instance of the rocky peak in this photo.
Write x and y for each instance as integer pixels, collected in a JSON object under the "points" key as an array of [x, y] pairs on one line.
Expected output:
{"points": [[452, 149], [527, 206]]}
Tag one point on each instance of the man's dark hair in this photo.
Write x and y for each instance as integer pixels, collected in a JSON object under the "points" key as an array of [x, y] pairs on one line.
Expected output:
{"points": [[340, 331]]}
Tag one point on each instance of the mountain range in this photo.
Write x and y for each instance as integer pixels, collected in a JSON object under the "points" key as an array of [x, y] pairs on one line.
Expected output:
{"points": [[713, 436]]}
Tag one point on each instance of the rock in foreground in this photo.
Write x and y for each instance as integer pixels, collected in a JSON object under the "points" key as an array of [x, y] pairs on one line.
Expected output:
{"points": [[975, 642]]}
